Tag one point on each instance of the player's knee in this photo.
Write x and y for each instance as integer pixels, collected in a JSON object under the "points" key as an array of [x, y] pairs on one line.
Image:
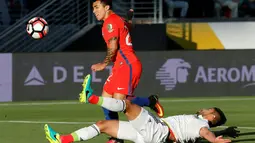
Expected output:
{"points": [[119, 96], [128, 105], [106, 94], [102, 125]]}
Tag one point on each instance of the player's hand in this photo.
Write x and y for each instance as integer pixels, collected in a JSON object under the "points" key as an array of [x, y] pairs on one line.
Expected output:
{"points": [[220, 139], [231, 132], [98, 67], [130, 14]]}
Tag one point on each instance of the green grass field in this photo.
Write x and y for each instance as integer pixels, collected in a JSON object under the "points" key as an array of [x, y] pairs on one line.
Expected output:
{"points": [[23, 122]]}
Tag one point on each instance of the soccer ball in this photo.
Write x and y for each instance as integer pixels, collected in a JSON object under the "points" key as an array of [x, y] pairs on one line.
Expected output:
{"points": [[37, 27]]}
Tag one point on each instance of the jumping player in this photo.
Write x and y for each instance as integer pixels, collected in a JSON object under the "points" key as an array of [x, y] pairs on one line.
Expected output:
{"points": [[144, 127], [127, 67]]}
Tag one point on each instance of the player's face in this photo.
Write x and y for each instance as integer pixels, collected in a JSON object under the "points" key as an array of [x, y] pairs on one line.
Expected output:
{"points": [[100, 10], [209, 114], [206, 112]]}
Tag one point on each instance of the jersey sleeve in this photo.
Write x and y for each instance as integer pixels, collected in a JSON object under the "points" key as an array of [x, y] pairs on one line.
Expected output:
{"points": [[197, 125], [112, 30]]}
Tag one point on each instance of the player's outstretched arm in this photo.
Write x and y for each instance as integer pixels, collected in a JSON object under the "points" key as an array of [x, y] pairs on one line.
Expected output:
{"points": [[209, 136]]}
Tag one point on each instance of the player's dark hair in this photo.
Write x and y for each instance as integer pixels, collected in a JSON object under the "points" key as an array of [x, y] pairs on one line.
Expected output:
{"points": [[223, 118], [105, 2]]}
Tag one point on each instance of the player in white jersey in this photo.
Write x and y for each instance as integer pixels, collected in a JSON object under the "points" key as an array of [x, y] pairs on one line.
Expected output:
{"points": [[144, 127]]}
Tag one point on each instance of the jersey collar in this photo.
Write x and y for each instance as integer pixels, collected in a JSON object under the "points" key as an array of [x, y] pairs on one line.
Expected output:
{"points": [[202, 118]]}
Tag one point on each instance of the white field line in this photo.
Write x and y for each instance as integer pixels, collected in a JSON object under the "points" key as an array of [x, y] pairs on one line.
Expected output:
{"points": [[161, 100], [79, 123], [44, 122]]}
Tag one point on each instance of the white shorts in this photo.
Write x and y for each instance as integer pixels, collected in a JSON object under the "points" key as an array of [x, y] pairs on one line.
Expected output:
{"points": [[152, 128], [128, 132]]}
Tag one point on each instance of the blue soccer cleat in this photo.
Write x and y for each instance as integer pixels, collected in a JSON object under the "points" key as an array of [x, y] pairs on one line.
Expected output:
{"points": [[51, 135], [87, 91]]}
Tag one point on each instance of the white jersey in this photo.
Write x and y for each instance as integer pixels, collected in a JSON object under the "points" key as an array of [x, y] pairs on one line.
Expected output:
{"points": [[186, 127]]}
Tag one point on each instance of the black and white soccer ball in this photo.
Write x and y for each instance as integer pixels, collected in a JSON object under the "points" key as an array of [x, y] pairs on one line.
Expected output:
{"points": [[37, 28]]}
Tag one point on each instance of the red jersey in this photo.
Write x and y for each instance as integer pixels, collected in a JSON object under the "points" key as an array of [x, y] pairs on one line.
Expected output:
{"points": [[116, 26]]}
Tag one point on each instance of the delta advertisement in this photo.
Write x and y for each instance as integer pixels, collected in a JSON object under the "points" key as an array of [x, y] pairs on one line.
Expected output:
{"points": [[58, 76], [5, 77]]}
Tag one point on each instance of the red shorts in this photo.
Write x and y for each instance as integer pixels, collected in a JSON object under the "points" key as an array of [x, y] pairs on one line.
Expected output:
{"points": [[124, 79]]}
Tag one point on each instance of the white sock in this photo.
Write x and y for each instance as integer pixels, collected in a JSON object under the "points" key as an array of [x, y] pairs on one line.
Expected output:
{"points": [[88, 132], [115, 105]]}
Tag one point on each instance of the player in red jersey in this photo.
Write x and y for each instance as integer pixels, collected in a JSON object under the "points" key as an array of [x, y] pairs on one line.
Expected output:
{"points": [[127, 67]]}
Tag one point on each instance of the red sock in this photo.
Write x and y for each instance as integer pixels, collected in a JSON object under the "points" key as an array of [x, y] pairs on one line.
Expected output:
{"points": [[66, 138], [93, 99]]}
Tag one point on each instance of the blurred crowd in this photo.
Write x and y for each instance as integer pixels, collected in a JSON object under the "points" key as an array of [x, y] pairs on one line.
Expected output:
{"points": [[210, 8], [12, 10]]}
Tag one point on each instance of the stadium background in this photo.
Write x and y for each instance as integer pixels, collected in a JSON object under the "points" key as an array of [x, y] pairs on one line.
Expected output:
{"points": [[210, 60]]}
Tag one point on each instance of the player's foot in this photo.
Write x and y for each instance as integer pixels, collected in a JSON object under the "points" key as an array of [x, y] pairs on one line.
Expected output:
{"points": [[115, 140], [156, 106], [87, 91], [51, 135]]}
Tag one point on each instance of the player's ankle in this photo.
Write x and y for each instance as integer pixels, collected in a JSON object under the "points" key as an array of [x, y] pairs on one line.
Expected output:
{"points": [[66, 138], [93, 99]]}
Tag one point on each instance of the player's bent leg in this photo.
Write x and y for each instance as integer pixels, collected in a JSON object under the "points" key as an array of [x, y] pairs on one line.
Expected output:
{"points": [[109, 127], [131, 110], [87, 92], [114, 115], [79, 135], [139, 119], [148, 126], [86, 95], [117, 105], [119, 129], [127, 132], [83, 134], [109, 115], [152, 102], [112, 104]]}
